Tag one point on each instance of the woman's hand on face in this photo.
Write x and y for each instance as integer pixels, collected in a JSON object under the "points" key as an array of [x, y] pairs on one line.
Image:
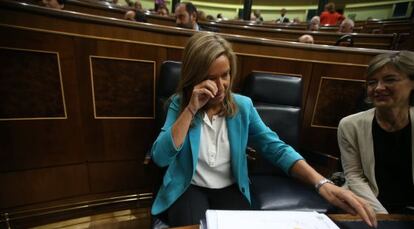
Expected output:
{"points": [[202, 93], [349, 202]]}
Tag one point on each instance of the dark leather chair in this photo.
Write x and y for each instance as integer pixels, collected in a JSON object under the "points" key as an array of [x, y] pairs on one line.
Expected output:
{"points": [[277, 99], [166, 86]]}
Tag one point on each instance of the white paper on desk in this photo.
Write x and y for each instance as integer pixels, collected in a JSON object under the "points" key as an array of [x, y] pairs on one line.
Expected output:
{"points": [[224, 219]]}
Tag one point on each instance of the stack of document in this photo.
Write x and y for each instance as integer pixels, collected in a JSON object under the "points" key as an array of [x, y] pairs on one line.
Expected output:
{"points": [[224, 219]]}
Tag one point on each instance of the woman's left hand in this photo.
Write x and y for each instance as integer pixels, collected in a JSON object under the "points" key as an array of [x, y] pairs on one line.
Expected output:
{"points": [[349, 202]]}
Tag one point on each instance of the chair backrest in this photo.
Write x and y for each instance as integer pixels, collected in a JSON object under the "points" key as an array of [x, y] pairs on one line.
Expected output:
{"points": [[167, 84], [277, 99]]}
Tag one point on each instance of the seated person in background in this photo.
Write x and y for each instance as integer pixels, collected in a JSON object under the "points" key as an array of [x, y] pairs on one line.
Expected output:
{"points": [[140, 16], [186, 16], [55, 4], [135, 15], [314, 23], [252, 17], [203, 142], [134, 4], [130, 15], [221, 17], [257, 14], [163, 11], [345, 41], [306, 39], [129, 3], [158, 4], [210, 17], [201, 16], [296, 20], [377, 150], [138, 5], [346, 26], [330, 16], [283, 18]]}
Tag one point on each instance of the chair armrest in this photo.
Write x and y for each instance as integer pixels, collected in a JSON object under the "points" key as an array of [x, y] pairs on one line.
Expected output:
{"points": [[325, 164], [147, 158]]}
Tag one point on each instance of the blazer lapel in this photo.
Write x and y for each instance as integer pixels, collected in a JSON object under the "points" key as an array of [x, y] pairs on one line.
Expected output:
{"points": [[412, 140], [233, 131], [194, 135]]}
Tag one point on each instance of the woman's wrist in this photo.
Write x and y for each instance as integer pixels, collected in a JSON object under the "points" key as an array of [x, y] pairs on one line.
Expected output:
{"points": [[321, 183], [191, 110]]}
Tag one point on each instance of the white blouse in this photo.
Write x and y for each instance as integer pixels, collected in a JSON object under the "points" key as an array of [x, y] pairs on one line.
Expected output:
{"points": [[214, 161]]}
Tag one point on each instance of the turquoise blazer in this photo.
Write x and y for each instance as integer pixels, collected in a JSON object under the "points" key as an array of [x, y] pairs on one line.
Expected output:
{"points": [[244, 128]]}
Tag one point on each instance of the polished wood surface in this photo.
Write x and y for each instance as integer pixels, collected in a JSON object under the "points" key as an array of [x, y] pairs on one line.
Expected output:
{"points": [[283, 32], [380, 41], [37, 91], [380, 217], [100, 145], [187, 227]]}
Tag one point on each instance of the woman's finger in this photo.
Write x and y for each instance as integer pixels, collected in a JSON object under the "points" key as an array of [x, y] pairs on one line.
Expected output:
{"points": [[354, 202], [371, 213], [343, 205], [200, 97], [204, 91], [349, 202], [209, 84]]}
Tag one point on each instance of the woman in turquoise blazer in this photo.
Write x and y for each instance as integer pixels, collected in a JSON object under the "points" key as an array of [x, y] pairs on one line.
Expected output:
{"points": [[204, 138]]}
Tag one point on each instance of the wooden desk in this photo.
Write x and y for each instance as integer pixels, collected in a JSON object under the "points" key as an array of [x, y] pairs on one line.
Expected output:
{"points": [[343, 218], [187, 227], [380, 217]]}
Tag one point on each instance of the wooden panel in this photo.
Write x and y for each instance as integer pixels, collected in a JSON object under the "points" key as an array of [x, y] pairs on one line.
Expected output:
{"points": [[80, 138], [115, 176], [119, 139], [160, 20], [320, 138], [30, 85], [337, 98], [34, 186], [29, 144], [123, 88], [37, 144]]}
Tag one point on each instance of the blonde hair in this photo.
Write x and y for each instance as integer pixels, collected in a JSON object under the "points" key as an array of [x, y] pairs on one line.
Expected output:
{"points": [[202, 49], [402, 61]]}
